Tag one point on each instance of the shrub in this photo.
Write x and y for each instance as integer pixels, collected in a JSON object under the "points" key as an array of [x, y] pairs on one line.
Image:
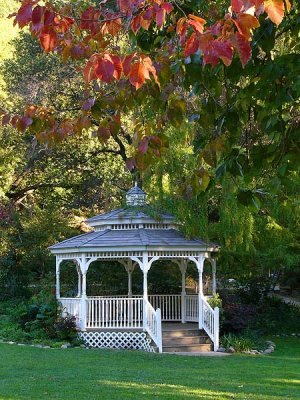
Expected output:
{"points": [[215, 301], [238, 317], [239, 343], [65, 328]]}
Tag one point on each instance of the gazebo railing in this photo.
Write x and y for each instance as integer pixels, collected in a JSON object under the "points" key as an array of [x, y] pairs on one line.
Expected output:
{"points": [[210, 321], [153, 324], [71, 306], [114, 312], [169, 304]]}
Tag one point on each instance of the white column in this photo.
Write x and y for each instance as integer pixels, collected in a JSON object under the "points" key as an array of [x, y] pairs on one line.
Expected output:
{"points": [[183, 267], [145, 269], [214, 280], [79, 286], [57, 286], [83, 268], [200, 264]]}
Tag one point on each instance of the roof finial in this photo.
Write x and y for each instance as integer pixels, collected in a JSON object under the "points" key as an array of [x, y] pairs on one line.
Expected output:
{"points": [[135, 184]]}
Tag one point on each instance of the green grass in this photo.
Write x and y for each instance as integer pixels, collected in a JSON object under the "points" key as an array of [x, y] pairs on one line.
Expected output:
{"points": [[33, 373]]}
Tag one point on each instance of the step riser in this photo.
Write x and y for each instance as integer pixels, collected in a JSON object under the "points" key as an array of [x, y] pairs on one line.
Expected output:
{"points": [[182, 333], [186, 341], [186, 349]]}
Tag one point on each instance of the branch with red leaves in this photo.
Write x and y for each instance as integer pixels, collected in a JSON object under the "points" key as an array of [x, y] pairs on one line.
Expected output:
{"points": [[91, 36]]}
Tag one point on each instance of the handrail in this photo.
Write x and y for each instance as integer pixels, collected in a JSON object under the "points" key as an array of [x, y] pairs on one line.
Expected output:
{"points": [[153, 324], [210, 321]]}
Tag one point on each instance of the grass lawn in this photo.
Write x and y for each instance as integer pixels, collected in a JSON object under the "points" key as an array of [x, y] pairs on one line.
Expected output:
{"points": [[33, 373]]}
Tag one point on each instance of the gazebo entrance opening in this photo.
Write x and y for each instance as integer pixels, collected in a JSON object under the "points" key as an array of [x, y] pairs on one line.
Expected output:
{"points": [[137, 242]]}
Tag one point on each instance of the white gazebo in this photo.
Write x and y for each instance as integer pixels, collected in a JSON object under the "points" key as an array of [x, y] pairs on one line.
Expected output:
{"points": [[132, 237]]}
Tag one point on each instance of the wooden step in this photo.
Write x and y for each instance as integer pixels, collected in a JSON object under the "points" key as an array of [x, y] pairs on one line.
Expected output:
{"points": [[172, 333], [186, 340], [196, 348]]}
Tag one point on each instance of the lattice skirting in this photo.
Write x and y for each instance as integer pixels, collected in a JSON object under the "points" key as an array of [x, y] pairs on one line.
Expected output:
{"points": [[117, 340]]}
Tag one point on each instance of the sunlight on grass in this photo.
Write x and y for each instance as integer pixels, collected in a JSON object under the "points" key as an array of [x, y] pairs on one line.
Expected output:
{"points": [[179, 391], [289, 381]]}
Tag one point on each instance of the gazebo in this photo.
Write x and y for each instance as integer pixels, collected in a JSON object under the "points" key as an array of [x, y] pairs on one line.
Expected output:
{"points": [[135, 239]]}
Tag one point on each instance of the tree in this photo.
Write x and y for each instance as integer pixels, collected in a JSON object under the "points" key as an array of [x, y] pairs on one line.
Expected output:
{"points": [[182, 61]]}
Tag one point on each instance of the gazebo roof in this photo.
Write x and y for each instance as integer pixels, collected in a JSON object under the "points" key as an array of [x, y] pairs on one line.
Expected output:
{"points": [[132, 228], [141, 238], [128, 213]]}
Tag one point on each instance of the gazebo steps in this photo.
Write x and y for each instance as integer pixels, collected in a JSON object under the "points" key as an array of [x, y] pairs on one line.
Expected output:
{"points": [[184, 338], [197, 348]]}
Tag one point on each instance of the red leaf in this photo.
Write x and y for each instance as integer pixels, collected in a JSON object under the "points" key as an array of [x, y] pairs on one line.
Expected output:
{"points": [[88, 104], [23, 123], [245, 23], [136, 24], [90, 19], [118, 66], [5, 119], [130, 163], [145, 23], [137, 75], [197, 22], [275, 10], [237, 5], [214, 50], [14, 121], [49, 16], [160, 17], [103, 134], [48, 39], [24, 14], [127, 64], [242, 47], [125, 6], [167, 7], [192, 45], [89, 72], [37, 19], [143, 145], [105, 69], [113, 27]]}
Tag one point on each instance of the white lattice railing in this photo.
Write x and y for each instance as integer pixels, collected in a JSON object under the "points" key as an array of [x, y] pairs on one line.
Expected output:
{"points": [[210, 322], [72, 307], [114, 312], [191, 308], [153, 324], [169, 304]]}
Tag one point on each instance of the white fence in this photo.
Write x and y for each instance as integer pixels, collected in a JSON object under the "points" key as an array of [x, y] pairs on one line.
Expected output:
{"points": [[169, 304], [121, 312], [153, 324], [210, 322], [72, 307], [114, 312], [191, 308]]}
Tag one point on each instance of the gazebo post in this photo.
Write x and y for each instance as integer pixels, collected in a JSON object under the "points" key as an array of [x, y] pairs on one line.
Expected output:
{"points": [[145, 267], [183, 268], [214, 270], [199, 264], [79, 286], [57, 286], [83, 268]]}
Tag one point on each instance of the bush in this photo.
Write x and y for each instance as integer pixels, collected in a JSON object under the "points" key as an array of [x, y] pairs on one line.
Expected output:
{"points": [[239, 343], [65, 328], [238, 317], [215, 301]]}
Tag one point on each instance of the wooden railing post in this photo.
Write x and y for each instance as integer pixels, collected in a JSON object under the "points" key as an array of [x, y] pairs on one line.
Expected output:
{"points": [[216, 328]]}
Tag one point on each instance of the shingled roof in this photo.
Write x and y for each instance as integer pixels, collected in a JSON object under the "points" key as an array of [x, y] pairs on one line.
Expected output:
{"points": [[132, 237]]}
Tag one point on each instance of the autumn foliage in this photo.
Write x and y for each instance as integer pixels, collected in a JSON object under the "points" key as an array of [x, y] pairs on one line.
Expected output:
{"points": [[90, 35]]}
